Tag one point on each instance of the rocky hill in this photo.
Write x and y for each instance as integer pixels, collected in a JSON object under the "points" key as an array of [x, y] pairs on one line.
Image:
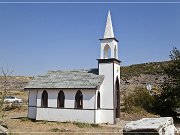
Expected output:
{"points": [[152, 68], [140, 75], [14, 83], [133, 76]]}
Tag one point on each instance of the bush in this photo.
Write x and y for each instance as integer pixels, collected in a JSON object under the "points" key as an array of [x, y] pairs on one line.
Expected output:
{"points": [[58, 130], [25, 119], [82, 125], [11, 106], [85, 125], [137, 100]]}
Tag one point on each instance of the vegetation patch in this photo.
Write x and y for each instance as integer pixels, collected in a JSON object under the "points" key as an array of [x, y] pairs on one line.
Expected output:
{"points": [[59, 130], [11, 106], [169, 99], [95, 125], [44, 121], [25, 119], [66, 122], [145, 68], [85, 125], [138, 101]]}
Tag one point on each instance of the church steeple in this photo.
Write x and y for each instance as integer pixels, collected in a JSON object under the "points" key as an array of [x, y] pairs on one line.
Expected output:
{"points": [[109, 28], [109, 67], [109, 44]]}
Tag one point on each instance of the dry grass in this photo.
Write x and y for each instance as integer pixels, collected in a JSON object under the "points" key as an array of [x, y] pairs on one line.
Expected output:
{"points": [[18, 123]]}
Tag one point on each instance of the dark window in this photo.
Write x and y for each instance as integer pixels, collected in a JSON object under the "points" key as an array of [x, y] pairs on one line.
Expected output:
{"points": [[79, 100], [44, 99], [98, 100], [60, 100]]}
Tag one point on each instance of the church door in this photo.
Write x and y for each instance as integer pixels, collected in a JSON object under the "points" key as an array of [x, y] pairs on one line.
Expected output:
{"points": [[117, 99]]}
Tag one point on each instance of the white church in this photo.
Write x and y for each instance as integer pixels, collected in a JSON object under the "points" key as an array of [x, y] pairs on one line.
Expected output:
{"points": [[90, 96]]}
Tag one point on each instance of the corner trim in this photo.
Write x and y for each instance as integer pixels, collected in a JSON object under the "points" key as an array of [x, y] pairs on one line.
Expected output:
{"points": [[110, 60], [95, 88], [95, 107], [71, 108], [109, 39], [113, 95]]}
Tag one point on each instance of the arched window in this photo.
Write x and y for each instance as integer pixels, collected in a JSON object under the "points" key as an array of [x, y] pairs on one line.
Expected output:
{"points": [[60, 100], [44, 99], [98, 100], [79, 100], [107, 52]]}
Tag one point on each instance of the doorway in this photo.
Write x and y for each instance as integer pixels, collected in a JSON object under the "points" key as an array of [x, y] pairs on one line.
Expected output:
{"points": [[117, 93]]}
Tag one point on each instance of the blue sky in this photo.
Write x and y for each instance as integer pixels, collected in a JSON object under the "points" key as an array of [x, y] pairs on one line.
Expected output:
{"points": [[37, 37]]}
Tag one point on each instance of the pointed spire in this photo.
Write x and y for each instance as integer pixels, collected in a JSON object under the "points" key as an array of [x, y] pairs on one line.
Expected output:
{"points": [[109, 28]]}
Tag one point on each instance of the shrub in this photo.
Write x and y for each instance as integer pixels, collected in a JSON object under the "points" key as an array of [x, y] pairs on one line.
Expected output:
{"points": [[65, 122], [58, 130], [95, 125], [85, 125], [10, 106], [25, 119], [44, 121], [137, 100], [82, 125]]}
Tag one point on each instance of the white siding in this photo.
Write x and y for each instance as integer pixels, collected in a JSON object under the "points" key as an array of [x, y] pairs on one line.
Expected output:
{"points": [[106, 89], [87, 114], [107, 116], [88, 98], [98, 116], [32, 104], [52, 114], [32, 112], [68, 113], [104, 116], [32, 97]]}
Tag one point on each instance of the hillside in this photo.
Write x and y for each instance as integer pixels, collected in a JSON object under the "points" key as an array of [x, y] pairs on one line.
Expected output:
{"points": [[131, 77], [16, 83], [151, 68], [139, 75]]}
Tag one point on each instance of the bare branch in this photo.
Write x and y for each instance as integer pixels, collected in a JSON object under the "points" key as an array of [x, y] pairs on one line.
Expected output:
{"points": [[6, 73]]}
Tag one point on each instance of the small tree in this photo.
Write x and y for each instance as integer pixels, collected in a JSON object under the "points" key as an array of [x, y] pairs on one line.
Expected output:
{"points": [[170, 95], [5, 73]]}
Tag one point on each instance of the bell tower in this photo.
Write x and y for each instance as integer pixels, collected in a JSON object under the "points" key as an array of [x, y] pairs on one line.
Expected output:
{"points": [[109, 43], [109, 66]]}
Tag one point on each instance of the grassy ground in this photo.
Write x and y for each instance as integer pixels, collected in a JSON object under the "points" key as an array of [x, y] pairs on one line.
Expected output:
{"points": [[18, 123]]}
